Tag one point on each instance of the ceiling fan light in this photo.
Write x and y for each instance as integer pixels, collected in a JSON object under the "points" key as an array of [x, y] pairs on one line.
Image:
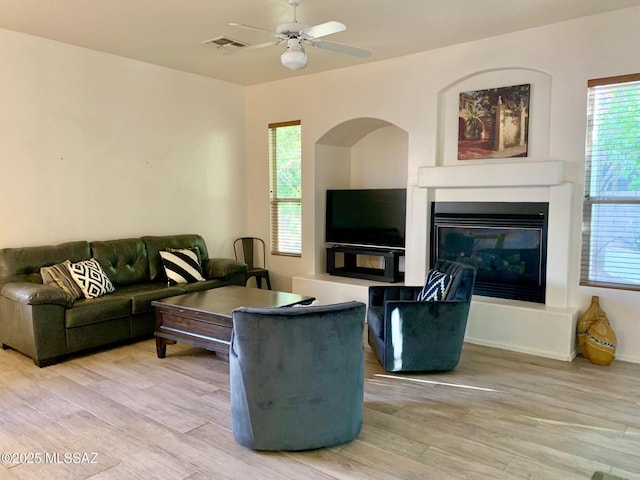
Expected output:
{"points": [[294, 57]]}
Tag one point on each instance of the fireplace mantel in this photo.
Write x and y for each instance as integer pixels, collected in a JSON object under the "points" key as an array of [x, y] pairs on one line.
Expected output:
{"points": [[546, 330], [513, 174]]}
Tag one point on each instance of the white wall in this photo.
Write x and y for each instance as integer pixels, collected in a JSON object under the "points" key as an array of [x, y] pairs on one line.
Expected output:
{"points": [[96, 147], [379, 160], [406, 93]]}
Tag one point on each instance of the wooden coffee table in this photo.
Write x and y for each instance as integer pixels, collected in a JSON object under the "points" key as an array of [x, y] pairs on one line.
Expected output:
{"points": [[203, 318]]}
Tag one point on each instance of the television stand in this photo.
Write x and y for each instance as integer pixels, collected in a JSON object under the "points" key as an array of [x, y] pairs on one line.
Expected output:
{"points": [[343, 262]]}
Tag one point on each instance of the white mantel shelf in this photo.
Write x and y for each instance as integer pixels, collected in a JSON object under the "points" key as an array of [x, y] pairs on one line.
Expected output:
{"points": [[513, 174]]}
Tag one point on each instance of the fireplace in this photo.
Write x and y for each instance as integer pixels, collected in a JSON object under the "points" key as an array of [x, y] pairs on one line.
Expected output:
{"points": [[505, 241]]}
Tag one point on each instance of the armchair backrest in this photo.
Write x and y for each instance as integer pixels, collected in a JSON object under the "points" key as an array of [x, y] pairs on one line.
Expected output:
{"points": [[464, 277], [297, 375]]}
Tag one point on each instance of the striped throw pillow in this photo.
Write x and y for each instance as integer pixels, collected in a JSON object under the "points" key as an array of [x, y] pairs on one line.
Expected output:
{"points": [[58, 275], [181, 266]]}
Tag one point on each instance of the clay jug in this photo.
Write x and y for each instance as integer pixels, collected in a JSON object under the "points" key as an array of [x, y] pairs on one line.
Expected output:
{"points": [[601, 342], [587, 319]]}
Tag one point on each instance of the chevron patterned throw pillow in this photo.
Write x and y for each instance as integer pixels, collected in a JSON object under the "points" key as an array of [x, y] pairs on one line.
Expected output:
{"points": [[436, 287], [91, 279], [181, 266]]}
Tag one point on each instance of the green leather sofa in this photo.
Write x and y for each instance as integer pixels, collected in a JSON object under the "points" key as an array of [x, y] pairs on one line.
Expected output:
{"points": [[47, 324]]}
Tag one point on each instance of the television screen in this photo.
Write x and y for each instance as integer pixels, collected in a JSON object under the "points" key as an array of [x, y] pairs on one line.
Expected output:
{"points": [[369, 217]]}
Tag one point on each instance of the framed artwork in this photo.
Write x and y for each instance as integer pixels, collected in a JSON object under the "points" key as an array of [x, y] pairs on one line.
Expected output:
{"points": [[494, 123]]}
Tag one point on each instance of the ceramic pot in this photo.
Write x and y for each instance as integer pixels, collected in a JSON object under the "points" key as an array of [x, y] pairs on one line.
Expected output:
{"points": [[601, 342], [587, 319]]}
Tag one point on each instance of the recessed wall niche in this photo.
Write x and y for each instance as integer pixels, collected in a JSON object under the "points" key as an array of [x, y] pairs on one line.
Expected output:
{"points": [[539, 112], [358, 153]]}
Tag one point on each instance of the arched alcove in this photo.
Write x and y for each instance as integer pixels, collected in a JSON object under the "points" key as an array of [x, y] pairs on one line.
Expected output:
{"points": [[449, 119], [358, 153]]}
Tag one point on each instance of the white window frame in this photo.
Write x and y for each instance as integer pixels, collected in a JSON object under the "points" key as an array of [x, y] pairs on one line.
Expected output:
{"points": [[286, 230], [611, 209]]}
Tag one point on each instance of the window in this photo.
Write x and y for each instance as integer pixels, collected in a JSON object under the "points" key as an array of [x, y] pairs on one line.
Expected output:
{"points": [[611, 220], [285, 167]]}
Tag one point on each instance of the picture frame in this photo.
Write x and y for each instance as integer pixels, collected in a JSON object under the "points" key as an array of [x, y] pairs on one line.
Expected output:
{"points": [[494, 123]]}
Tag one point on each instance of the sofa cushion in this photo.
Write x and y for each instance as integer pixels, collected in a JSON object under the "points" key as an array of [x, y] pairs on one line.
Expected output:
{"points": [[59, 276], [142, 295], [156, 244], [182, 266], [96, 310], [124, 261], [91, 279]]}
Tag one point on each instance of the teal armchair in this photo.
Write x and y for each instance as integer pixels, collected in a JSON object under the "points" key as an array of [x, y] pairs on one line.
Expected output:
{"points": [[407, 335], [297, 376]]}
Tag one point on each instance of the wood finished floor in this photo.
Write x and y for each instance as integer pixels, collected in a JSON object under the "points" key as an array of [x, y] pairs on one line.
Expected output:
{"points": [[499, 415]]}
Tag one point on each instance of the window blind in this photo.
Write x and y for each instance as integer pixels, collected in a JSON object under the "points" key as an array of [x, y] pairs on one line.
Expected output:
{"points": [[611, 211], [285, 173]]}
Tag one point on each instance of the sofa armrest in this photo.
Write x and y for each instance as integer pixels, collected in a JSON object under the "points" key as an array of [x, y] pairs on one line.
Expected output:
{"points": [[29, 293], [222, 268]]}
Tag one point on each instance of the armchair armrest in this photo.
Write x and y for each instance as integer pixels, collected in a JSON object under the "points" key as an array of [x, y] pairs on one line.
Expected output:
{"points": [[435, 325], [29, 293], [380, 294], [222, 267], [420, 312], [424, 335]]}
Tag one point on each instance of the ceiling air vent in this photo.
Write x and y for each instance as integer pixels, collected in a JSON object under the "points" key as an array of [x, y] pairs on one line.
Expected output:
{"points": [[225, 42]]}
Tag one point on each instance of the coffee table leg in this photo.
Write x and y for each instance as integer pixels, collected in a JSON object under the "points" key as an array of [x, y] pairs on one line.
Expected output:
{"points": [[161, 346], [223, 356]]}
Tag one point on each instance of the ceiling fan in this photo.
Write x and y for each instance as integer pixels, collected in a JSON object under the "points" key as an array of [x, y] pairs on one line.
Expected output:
{"points": [[296, 35]]}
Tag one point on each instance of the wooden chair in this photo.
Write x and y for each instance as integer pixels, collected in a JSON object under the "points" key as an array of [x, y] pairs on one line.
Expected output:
{"points": [[252, 251]]}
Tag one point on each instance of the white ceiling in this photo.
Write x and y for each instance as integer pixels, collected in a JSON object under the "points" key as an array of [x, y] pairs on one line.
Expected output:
{"points": [[170, 32]]}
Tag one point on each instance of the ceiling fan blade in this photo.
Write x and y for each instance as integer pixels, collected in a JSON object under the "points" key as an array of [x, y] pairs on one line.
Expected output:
{"points": [[340, 48], [323, 29], [255, 29]]}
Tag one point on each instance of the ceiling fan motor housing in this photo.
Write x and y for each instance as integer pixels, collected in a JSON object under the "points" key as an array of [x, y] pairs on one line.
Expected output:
{"points": [[291, 28], [294, 56]]}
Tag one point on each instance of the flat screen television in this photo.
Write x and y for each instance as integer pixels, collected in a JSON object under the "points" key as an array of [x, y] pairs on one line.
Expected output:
{"points": [[367, 217]]}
